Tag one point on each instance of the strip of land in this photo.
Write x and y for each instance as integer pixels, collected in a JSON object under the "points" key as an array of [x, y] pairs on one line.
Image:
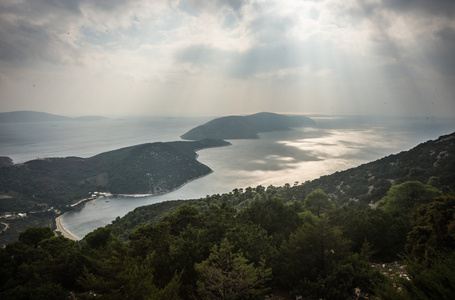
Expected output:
{"points": [[63, 231]]}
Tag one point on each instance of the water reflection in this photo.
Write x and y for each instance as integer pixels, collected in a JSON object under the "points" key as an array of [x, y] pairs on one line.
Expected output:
{"points": [[275, 159]]}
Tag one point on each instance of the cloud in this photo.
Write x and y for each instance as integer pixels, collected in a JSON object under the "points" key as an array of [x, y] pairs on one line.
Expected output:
{"points": [[445, 8], [269, 58], [33, 31], [414, 34], [339, 51], [58, 31], [271, 29], [441, 53], [433, 7], [278, 60], [193, 6]]}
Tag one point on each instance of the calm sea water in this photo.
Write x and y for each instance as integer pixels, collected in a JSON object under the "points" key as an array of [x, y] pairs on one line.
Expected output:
{"points": [[334, 144]]}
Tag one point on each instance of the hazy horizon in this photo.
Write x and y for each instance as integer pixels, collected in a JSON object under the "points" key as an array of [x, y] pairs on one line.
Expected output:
{"points": [[316, 116], [226, 57]]}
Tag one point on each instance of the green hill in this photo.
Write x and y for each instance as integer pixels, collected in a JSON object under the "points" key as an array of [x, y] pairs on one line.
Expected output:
{"points": [[245, 127], [152, 168], [430, 162]]}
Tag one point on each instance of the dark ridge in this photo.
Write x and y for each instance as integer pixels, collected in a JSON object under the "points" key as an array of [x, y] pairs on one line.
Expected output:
{"points": [[152, 168], [35, 116], [245, 127]]}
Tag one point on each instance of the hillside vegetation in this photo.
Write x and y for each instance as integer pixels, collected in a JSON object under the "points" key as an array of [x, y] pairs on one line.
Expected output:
{"points": [[272, 249], [290, 242], [245, 127], [432, 162], [142, 169]]}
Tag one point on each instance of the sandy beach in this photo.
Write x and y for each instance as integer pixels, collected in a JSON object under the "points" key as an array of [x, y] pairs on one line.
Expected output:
{"points": [[64, 232]]}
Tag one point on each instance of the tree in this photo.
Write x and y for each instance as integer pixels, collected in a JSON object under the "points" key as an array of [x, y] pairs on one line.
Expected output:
{"points": [[63, 263], [227, 275], [434, 181], [316, 262], [318, 202], [274, 216], [252, 241], [34, 235], [385, 233], [433, 228], [404, 198], [184, 216], [310, 251], [113, 273], [193, 245], [99, 238]]}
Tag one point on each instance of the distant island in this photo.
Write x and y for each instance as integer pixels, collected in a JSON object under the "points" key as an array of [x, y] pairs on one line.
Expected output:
{"points": [[35, 116], [152, 168], [246, 127]]}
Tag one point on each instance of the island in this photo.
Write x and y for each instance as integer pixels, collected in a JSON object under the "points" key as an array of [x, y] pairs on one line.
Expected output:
{"points": [[246, 127], [36, 116]]}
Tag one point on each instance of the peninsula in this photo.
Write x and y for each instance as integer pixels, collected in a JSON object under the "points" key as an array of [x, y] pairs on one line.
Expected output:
{"points": [[152, 168], [246, 127]]}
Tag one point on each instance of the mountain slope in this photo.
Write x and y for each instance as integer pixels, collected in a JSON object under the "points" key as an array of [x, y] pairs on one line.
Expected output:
{"points": [[432, 161], [245, 127]]}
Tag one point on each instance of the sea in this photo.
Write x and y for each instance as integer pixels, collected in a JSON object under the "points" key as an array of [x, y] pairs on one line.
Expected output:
{"points": [[334, 143]]}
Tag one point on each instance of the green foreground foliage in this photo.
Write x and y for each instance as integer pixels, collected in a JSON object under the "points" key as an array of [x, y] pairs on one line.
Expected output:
{"points": [[247, 245]]}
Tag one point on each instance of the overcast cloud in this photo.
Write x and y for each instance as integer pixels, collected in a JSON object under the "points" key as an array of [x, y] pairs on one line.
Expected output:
{"points": [[222, 57]]}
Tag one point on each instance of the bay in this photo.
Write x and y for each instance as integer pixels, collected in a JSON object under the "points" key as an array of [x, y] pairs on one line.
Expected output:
{"points": [[336, 143], [276, 158]]}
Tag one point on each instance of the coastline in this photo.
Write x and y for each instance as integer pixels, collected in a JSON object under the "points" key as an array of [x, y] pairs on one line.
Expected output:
{"points": [[66, 233], [161, 193], [62, 229]]}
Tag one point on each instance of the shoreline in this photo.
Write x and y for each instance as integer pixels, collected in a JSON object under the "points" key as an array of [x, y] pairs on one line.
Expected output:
{"points": [[64, 232], [161, 193]]}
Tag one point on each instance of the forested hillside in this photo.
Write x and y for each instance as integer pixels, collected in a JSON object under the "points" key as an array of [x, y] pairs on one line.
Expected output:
{"points": [[271, 250], [291, 242], [142, 169], [432, 162]]}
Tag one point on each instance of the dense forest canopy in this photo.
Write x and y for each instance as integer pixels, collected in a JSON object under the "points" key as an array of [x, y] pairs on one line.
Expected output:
{"points": [[277, 245]]}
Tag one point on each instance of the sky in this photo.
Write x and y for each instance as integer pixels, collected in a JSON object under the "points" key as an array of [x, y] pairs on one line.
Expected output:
{"points": [[221, 57]]}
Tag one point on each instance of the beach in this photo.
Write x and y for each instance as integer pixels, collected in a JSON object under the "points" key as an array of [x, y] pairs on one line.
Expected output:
{"points": [[63, 231]]}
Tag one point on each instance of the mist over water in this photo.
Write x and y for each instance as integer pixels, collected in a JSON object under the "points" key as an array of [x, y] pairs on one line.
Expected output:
{"points": [[334, 144], [31, 140]]}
